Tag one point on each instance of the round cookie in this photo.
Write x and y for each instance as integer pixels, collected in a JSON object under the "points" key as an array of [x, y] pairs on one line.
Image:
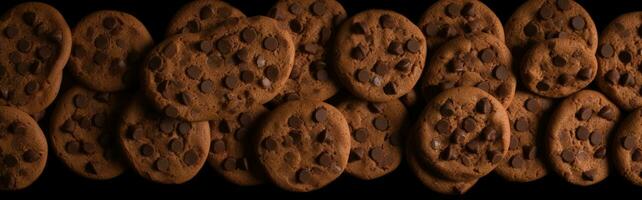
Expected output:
{"points": [[539, 20], [161, 149], [447, 19], [463, 134], [376, 136], [303, 145], [379, 55], [558, 67], [83, 132], [199, 76], [202, 16], [576, 142], [230, 150], [107, 49], [524, 161], [23, 149], [431, 180], [311, 23], [618, 56], [627, 148], [36, 45], [479, 60]]}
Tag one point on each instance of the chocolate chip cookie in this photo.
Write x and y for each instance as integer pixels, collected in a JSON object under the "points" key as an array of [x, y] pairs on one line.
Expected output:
{"points": [[539, 20], [107, 49], [202, 16], [230, 151], [463, 134], [447, 19], [162, 149], [198, 76], [431, 180], [23, 149], [577, 138], [83, 132], [619, 59], [379, 55], [528, 114], [627, 148], [479, 60], [558, 67], [36, 44], [303, 145], [376, 136]]}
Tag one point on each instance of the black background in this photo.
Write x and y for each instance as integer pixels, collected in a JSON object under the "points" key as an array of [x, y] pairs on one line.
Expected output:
{"points": [[155, 14]]}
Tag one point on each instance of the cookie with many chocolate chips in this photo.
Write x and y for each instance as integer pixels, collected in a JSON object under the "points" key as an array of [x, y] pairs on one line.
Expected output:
{"points": [[539, 20], [311, 23], [162, 149], [108, 47], [463, 134], [446, 19], [431, 180], [303, 145], [23, 149], [627, 147], [376, 136], [576, 142], [528, 114], [379, 55], [202, 16], [83, 132], [479, 60], [230, 152], [199, 76], [619, 56], [36, 44], [558, 67]]}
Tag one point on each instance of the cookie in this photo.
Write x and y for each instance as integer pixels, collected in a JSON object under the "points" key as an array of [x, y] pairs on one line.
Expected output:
{"points": [[618, 57], [23, 149], [376, 136], [525, 162], [479, 60], [303, 145], [539, 20], [577, 140], [447, 19], [36, 45], [463, 134], [230, 151], [433, 181], [83, 132], [378, 55], [107, 49], [162, 149], [311, 23], [558, 67], [627, 148], [198, 76], [202, 16]]}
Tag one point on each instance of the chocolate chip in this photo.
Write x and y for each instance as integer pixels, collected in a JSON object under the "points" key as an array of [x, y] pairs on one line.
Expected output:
{"points": [[271, 72], [600, 152], [80, 101], [358, 52], [447, 109], [637, 155], [305, 176], [582, 133], [206, 86], [44, 52], [450, 153], [184, 128], [584, 74], [162, 164], [217, 146], [522, 124], [318, 8], [379, 156], [386, 21], [322, 75], [380, 68], [483, 106], [584, 114], [184, 98], [296, 26], [442, 126], [270, 43], [578, 23], [474, 146], [606, 50], [88, 148], [487, 55], [589, 175], [11, 32], [166, 126], [146, 150], [154, 63], [517, 162], [24, 46], [135, 133], [413, 46], [230, 82], [529, 152], [358, 28], [360, 135], [563, 4], [170, 111], [295, 8], [607, 113], [458, 136], [101, 42], [568, 155], [453, 10], [559, 61], [380, 123], [612, 76], [431, 29], [469, 124], [514, 143], [395, 48], [629, 142], [206, 12], [205, 46], [320, 114], [30, 156], [325, 159], [99, 120], [501, 72], [68, 126], [224, 46], [100, 58], [531, 29], [295, 122], [596, 138], [390, 89], [363, 75], [532, 105], [248, 35], [403, 65], [545, 12], [229, 164], [625, 56], [32, 87]]}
